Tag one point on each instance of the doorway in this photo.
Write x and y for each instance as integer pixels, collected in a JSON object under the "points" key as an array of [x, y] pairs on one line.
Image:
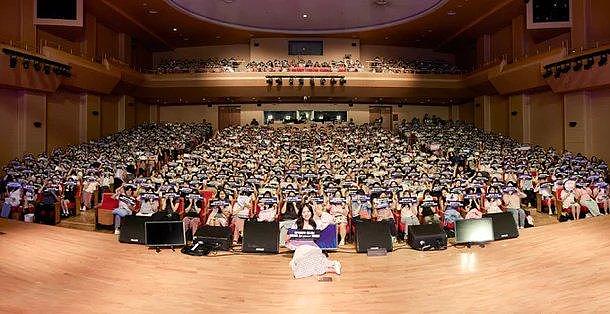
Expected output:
{"points": [[228, 116], [381, 112]]}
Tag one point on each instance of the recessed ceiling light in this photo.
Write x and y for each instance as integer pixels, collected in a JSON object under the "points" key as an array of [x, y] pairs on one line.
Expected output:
{"points": [[451, 13], [217, 36], [387, 37], [174, 29], [186, 38], [152, 11], [305, 15], [382, 2]]}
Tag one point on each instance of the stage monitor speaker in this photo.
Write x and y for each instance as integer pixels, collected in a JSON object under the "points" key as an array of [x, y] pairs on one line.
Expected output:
{"points": [[373, 235], [427, 237], [261, 237], [218, 237], [504, 225], [132, 229]]}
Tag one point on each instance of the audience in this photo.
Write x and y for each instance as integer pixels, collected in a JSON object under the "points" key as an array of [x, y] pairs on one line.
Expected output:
{"points": [[377, 65], [428, 171]]}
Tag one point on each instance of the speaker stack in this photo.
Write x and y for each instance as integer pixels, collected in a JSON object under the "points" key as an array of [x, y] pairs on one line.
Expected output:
{"points": [[261, 237], [427, 237]]}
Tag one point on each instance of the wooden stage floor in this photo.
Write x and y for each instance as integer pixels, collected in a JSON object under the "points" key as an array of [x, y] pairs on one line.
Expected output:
{"points": [[556, 268]]}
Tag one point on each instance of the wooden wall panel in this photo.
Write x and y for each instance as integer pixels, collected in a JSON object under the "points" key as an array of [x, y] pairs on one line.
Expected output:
{"points": [[600, 123], [501, 43], [11, 22], [499, 115], [546, 111], [9, 111], [130, 114], [467, 112], [62, 119], [93, 117], [109, 114], [107, 42], [142, 113]]}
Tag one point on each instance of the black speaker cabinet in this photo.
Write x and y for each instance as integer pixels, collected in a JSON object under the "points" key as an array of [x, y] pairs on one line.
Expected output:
{"points": [[427, 237], [132, 229], [218, 237], [261, 237], [504, 225], [373, 235]]}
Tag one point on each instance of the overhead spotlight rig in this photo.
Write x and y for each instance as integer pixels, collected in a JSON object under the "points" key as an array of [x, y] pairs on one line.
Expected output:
{"points": [[321, 80], [576, 64], [39, 63]]}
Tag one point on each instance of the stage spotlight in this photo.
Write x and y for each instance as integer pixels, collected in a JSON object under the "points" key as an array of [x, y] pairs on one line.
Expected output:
{"points": [[566, 68], [342, 81], [26, 64], [56, 70], [333, 81], [269, 81], [322, 81], [312, 82], [603, 60], [301, 81], [577, 66], [37, 66], [547, 73], [13, 62], [278, 81], [47, 69], [291, 81], [590, 63]]}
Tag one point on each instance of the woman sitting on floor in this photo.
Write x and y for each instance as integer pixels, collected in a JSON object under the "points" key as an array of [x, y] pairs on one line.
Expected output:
{"points": [[308, 259]]}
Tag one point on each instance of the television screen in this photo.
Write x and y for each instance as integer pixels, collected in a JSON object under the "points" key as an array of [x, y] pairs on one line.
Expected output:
{"points": [[164, 233], [546, 14], [545, 11], [57, 9], [59, 12], [474, 230], [305, 48]]}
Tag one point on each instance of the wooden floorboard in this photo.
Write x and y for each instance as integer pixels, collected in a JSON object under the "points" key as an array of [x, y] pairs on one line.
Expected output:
{"points": [[555, 268]]}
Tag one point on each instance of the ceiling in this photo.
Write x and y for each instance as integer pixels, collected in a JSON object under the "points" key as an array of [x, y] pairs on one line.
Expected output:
{"points": [[307, 17], [440, 24]]}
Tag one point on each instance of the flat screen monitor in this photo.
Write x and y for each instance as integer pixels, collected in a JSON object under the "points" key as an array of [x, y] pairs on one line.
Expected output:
{"points": [[474, 231], [164, 233], [59, 12], [542, 14]]}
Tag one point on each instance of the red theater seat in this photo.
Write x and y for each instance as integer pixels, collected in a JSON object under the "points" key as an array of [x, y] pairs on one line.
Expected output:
{"points": [[103, 213]]}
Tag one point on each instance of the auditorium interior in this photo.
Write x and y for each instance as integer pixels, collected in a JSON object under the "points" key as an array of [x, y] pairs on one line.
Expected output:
{"points": [[304, 156]]}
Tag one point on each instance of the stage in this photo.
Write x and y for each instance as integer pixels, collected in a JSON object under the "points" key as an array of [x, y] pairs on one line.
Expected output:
{"points": [[561, 267]]}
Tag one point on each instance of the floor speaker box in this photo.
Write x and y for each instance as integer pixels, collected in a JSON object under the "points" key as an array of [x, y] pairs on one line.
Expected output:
{"points": [[218, 237], [132, 229], [504, 225], [373, 235], [427, 237], [261, 237]]}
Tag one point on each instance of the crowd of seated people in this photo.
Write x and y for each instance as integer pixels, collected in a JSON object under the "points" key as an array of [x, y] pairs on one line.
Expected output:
{"points": [[197, 65], [430, 171], [377, 65], [36, 184], [301, 65], [415, 66]]}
